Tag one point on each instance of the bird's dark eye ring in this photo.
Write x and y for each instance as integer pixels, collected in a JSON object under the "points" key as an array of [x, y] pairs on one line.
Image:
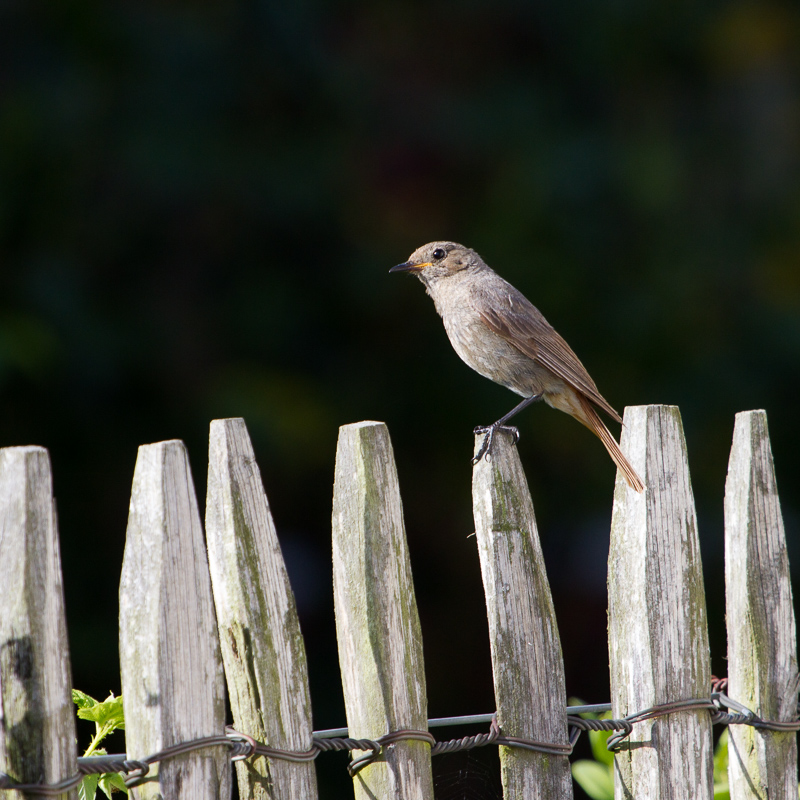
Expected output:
{"points": [[438, 253]]}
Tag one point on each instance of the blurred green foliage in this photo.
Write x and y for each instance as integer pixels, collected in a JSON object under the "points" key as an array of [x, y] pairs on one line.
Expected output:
{"points": [[199, 203]]}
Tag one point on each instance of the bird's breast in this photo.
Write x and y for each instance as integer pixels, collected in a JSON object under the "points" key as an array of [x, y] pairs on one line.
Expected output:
{"points": [[492, 356]]}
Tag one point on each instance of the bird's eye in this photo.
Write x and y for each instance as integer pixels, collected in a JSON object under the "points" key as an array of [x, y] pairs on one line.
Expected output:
{"points": [[438, 253]]}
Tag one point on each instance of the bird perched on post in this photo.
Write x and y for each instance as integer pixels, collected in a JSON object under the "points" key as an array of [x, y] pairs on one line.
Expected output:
{"points": [[498, 332]]}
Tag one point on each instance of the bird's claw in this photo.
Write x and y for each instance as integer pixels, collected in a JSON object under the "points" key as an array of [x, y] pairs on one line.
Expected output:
{"points": [[489, 432]]}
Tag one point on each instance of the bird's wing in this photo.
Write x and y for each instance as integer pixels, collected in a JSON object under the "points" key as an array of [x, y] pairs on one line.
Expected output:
{"points": [[519, 322]]}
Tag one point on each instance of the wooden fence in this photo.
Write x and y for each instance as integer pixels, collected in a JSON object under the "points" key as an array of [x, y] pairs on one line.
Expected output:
{"points": [[195, 614]]}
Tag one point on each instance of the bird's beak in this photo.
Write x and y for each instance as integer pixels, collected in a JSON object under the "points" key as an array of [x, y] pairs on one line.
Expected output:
{"points": [[410, 266]]}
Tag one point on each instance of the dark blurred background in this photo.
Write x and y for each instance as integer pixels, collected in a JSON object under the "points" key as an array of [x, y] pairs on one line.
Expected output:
{"points": [[199, 205]]}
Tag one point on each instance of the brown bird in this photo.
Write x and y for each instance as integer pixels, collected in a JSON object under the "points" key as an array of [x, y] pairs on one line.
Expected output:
{"points": [[498, 332]]}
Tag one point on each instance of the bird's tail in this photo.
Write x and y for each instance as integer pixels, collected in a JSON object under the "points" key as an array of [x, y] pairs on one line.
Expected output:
{"points": [[593, 422]]}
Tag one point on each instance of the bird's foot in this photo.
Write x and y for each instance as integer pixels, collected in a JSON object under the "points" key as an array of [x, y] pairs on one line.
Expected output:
{"points": [[489, 432]]}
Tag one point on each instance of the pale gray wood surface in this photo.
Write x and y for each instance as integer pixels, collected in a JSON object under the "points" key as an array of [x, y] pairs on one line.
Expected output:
{"points": [[658, 632], [527, 661], [262, 646], [377, 625], [37, 716], [762, 645], [172, 681]]}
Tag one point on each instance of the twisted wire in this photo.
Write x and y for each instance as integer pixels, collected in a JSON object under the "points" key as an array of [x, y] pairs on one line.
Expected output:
{"points": [[242, 746]]}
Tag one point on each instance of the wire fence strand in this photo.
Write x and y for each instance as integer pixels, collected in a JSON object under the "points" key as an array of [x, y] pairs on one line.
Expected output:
{"points": [[243, 746]]}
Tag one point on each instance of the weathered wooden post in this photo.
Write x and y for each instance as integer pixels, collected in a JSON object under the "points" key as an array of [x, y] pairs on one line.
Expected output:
{"points": [[262, 646], [527, 662], [37, 717], [172, 682], [762, 645], [658, 633], [380, 642]]}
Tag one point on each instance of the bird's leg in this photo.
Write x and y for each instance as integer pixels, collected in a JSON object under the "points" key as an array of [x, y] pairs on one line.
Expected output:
{"points": [[490, 430]]}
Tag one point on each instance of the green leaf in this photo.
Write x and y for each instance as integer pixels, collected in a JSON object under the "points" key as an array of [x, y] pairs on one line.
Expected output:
{"points": [[721, 758], [597, 780], [82, 700], [108, 714], [576, 701], [112, 781], [87, 787], [721, 790], [598, 740]]}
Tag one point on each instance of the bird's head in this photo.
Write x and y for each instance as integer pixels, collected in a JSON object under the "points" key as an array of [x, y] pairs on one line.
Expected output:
{"points": [[437, 260]]}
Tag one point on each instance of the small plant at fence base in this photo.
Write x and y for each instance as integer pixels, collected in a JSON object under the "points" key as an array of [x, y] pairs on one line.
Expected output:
{"points": [[108, 717]]}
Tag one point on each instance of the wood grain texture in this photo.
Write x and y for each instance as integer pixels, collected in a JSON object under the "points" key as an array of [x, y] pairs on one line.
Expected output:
{"points": [[262, 646], [37, 716], [658, 632], [527, 662], [762, 644], [377, 625], [172, 681]]}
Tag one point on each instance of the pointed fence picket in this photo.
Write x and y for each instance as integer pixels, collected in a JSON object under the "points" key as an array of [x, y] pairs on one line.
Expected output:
{"points": [[262, 647], [172, 683], [377, 625], [187, 610], [37, 718], [658, 633], [527, 663], [762, 644]]}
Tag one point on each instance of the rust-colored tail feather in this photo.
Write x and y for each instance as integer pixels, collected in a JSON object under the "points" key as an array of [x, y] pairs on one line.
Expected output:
{"points": [[595, 424]]}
